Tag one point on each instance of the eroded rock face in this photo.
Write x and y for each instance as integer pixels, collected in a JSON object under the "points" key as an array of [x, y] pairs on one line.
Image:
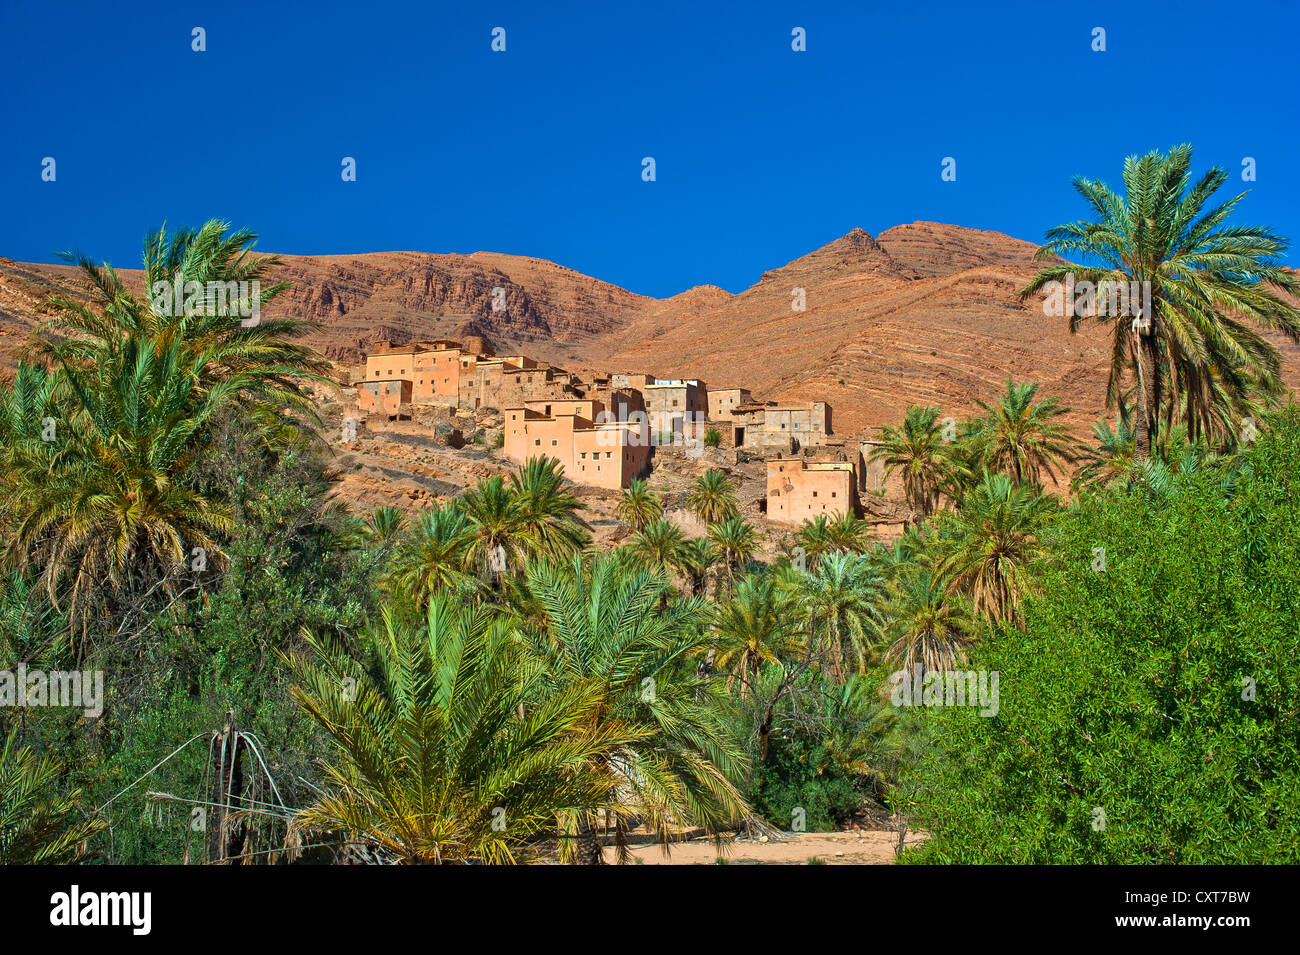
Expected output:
{"points": [[925, 314]]}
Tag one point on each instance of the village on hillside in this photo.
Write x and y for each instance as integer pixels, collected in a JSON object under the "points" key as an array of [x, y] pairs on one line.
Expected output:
{"points": [[427, 417]]}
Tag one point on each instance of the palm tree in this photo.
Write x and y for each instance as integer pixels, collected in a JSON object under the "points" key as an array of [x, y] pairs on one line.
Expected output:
{"points": [[925, 624], [1192, 350], [658, 543], [751, 629], [919, 451], [602, 627], [433, 762], [736, 542], [38, 824], [848, 534], [549, 526], [988, 544], [693, 559], [496, 520], [814, 538], [1112, 459], [841, 601], [232, 282], [384, 526], [106, 504], [712, 497], [1021, 438], [432, 557], [639, 505]]}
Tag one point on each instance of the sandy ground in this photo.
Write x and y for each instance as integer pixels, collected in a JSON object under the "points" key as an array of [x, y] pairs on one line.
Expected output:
{"points": [[829, 848]]}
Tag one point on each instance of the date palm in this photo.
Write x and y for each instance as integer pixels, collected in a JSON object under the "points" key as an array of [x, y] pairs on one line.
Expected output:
{"points": [[693, 559], [751, 629], [1208, 280], [105, 505], [258, 350], [1023, 438], [39, 824], [383, 526], [433, 761], [604, 625], [712, 497], [639, 505], [841, 603], [496, 521], [549, 525], [926, 624], [736, 542], [657, 543], [987, 546], [921, 451], [1112, 458], [433, 555]]}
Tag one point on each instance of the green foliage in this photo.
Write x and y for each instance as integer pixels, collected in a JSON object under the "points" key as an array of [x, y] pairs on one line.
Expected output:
{"points": [[1161, 691]]}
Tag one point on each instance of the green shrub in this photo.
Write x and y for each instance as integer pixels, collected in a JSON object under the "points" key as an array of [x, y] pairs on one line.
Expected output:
{"points": [[1148, 711]]}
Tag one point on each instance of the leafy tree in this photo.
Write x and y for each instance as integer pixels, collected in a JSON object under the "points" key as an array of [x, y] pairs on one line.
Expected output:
{"points": [[1146, 706]]}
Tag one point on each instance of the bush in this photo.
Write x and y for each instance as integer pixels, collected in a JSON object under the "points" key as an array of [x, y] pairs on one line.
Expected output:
{"points": [[1147, 711]]}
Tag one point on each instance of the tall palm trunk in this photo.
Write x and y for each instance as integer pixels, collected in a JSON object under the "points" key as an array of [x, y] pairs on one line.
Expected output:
{"points": [[1146, 363]]}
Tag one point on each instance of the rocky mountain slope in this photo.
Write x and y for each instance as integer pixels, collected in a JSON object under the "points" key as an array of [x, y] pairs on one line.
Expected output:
{"points": [[925, 313]]}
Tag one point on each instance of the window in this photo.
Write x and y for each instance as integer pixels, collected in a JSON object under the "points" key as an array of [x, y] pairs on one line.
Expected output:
{"points": [[833, 494], [554, 442], [814, 493], [538, 442]]}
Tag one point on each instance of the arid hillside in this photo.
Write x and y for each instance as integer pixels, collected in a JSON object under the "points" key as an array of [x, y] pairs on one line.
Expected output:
{"points": [[926, 312]]}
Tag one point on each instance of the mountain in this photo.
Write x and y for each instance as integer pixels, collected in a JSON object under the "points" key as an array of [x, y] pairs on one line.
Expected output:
{"points": [[925, 313]]}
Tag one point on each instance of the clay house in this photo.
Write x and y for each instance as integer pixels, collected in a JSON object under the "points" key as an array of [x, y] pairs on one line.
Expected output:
{"points": [[599, 454], [871, 473], [383, 396], [724, 401], [670, 404], [787, 427], [432, 367], [799, 490], [629, 381]]}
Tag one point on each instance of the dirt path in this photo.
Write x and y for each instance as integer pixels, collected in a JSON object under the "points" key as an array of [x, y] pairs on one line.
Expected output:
{"points": [[829, 848]]}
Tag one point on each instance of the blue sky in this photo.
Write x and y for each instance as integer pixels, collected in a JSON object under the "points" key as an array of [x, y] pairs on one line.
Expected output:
{"points": [[762, 153]]}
